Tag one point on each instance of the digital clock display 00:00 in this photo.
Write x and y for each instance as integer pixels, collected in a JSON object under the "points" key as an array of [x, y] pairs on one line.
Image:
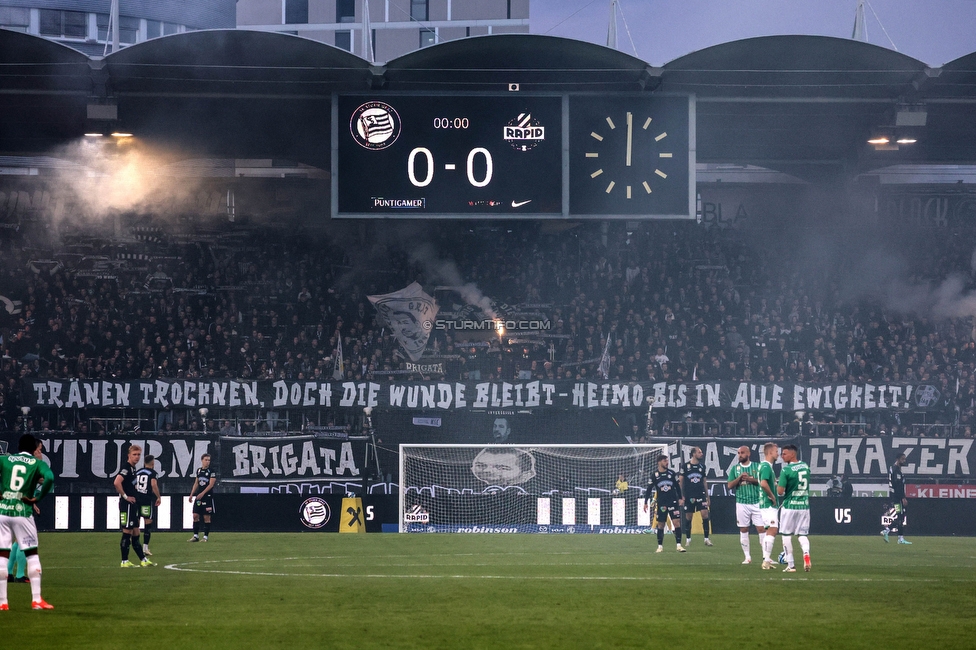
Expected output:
{"points": [[451, 122]]}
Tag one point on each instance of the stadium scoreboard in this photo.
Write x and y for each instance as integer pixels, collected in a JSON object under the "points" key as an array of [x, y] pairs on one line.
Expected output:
{"points": [[513, 155]]}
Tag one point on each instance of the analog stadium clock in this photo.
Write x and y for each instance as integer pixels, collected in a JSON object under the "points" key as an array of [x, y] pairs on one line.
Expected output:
{"points": [[630, 156]]}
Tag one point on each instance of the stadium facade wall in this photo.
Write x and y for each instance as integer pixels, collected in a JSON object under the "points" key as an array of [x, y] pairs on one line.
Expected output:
{"points": [[253, 513], [198, 14], [329, 513]]}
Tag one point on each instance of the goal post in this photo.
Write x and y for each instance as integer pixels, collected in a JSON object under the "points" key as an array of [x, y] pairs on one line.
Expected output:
{"points": [[525, 488]]}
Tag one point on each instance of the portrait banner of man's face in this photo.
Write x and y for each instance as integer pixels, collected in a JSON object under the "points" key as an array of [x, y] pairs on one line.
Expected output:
{"points": [[501, 430], [410, 313], [503, 466]]}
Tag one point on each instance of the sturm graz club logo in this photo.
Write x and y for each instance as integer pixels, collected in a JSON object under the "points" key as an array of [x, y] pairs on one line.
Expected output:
{"points": [[927, 396], [315, 513], [375, 125], [524, 132]]}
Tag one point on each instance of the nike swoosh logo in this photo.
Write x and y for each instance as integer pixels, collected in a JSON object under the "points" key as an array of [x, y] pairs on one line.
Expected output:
{"points": [[519, 204]]}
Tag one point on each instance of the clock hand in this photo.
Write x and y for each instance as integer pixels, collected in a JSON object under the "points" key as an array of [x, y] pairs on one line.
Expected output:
{"points": [[630, 135]]}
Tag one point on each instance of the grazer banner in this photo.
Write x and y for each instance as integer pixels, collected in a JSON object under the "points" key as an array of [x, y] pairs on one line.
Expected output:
{"points": [[303, 459], [449, 396], [96, 460], [859, 458], [720, 454], [927, 458]]}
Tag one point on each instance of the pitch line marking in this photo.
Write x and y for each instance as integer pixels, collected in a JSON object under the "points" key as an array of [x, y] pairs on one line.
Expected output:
{"points": [[187, 567]]}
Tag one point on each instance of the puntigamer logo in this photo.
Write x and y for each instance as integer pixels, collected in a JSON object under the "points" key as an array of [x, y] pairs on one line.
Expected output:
{"points": [[375, 125], [315, 513], [524, 132]]}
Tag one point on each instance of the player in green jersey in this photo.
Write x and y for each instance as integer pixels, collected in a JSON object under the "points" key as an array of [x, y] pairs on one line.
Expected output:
{"points": [[744, 479], [769, 502], [794, 488], [19, 476]]}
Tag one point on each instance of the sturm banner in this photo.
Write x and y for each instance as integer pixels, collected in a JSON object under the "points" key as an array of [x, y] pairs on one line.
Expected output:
{"points": [[97, 460], [567, 395], [858, 458]]}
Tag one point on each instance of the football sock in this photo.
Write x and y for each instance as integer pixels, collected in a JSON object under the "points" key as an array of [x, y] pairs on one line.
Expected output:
{"points": [[137, 547], [804, 544], [3, 582], [788, 549], [18, 559], [744, 543], [660, 535], [34, 573], [677, 534], [145, 537], [704, 526], [196, 528], [125, 543], [767, 546], [206, 529]]}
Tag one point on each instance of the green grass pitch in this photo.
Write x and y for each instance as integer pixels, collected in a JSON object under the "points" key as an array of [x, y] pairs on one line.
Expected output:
{"points": [[493, 591]]}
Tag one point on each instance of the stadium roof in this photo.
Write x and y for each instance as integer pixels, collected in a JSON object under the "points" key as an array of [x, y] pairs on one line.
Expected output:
{"points": [[801, 104], [541, 63]]}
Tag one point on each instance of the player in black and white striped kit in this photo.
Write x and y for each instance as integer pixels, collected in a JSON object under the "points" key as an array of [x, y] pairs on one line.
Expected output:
{"points": [[147, 498], [694, 487], [124, 484], [667, 494], [896, 490], [201, 495]]}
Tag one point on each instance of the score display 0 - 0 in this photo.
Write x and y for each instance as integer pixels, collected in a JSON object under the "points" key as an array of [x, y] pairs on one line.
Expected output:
{"points": [[415, 156]]}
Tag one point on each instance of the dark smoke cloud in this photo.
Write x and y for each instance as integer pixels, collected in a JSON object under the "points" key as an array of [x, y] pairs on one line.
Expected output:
{"points": [[860, 265], [443, 271]]}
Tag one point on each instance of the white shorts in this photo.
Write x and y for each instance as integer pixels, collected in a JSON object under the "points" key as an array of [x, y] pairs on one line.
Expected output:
{"points": [[17, 529], [794, 522], [747, 514], [770, 517]]}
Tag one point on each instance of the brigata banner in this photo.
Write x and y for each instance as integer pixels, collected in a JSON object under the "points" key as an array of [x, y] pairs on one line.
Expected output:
{"points": [[858, 458], [302, 459], [442, 395]]}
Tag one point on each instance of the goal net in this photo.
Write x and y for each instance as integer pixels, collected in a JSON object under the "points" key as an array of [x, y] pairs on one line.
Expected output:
{"points": [[525, 488]]}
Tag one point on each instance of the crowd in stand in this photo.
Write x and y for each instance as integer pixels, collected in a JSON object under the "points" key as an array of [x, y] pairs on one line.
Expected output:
{"points": [[678, 301]]}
